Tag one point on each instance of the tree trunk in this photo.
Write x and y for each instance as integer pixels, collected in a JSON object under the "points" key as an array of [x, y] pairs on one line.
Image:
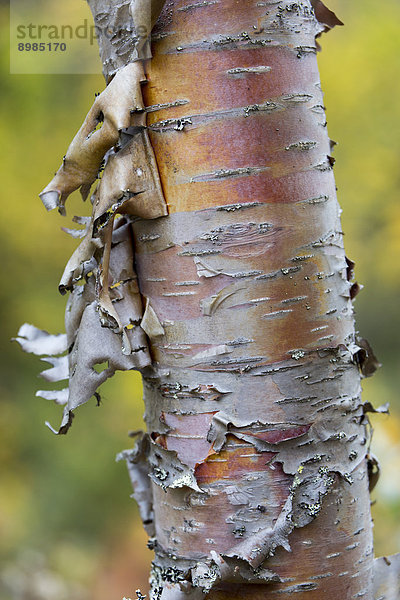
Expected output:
{"points": [[254, 382], [252, 479]]}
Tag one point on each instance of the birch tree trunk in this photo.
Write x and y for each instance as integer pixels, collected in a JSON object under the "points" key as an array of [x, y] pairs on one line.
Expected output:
{"points": [[254, 382], [252, 479]]}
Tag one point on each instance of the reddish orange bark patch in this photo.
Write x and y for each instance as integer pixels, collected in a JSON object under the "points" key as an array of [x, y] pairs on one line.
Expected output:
{"points": [[237, 459]]}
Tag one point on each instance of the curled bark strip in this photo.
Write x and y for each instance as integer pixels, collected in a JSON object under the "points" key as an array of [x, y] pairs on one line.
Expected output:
{"points": [[150, 323], [60, 397], [374, 470], [83, 159], [78, 233], [100, 338], [138, 468], [130, 183], [324, 15], [108, 314], [37, 341], [59, 370], [366, 359], [387, 577], [355, 289], [368, 407], [114, 195], [81, 263]]}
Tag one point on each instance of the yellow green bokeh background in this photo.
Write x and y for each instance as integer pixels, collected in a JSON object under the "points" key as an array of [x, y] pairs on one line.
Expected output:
{"points": [[68, 528]]}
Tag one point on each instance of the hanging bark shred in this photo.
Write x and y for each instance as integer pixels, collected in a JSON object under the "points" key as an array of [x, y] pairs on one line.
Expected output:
{"points": [[324, 15], [235, 303]]}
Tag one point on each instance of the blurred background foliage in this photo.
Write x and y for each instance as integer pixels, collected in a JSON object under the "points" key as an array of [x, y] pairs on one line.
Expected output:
{"points": [[68, 529]]}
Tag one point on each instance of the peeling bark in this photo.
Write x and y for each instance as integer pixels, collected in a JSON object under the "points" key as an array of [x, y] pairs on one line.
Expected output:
{"points": [[235, 302]]}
